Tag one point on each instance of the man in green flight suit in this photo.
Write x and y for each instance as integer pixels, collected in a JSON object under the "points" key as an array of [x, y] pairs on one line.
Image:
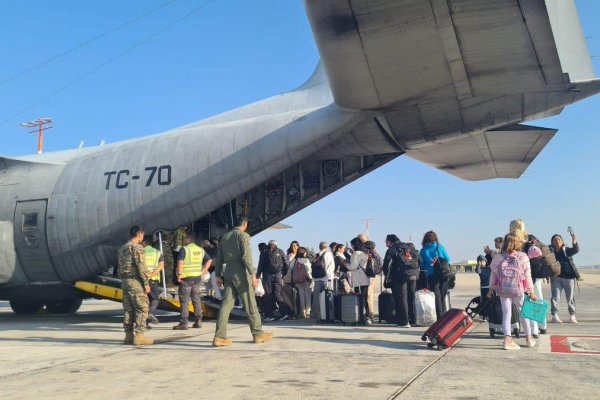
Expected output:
{"points": [[236, 275]]}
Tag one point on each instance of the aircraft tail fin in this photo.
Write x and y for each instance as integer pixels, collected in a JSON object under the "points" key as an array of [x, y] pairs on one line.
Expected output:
{"points": [[570, 41]]}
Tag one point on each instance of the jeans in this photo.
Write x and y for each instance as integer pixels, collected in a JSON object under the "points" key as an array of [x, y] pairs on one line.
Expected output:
{"points": [[364, 292], [507, 315], [537, 288], [568, 285], [440, 288], [272, 285], [404, 300], [305, 299], [319, 286], [187, 288]]}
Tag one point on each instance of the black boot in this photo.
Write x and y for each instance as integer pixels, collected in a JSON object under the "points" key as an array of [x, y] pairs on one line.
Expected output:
{"points": [[180, 327], [198, 323]]}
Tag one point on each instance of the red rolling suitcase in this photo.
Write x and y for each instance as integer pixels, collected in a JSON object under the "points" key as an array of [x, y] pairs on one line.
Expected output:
{"points": [[446, 331]]}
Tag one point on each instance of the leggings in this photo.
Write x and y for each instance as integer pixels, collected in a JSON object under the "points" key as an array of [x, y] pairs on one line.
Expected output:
{"points": [[507, 314]]}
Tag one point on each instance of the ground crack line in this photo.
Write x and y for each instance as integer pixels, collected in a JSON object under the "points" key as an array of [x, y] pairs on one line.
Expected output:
{"points": [[396, 394]]}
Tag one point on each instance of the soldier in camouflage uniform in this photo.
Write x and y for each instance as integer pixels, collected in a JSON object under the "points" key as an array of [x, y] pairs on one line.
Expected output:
{"points": [[235, 273], [134, 281]]}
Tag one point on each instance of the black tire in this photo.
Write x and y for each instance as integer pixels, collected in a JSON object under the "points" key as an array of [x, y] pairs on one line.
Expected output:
{"points": [[492, 333], [66, 306], [424, 338], [26, 307], [430, 345], [440, 347]]}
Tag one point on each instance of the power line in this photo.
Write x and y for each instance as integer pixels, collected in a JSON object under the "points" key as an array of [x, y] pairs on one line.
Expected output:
{"points": [[90, 41], [108, 62]]}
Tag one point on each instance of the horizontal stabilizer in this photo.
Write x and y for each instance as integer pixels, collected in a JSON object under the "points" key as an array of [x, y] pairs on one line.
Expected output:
{"points": [[501, 153]]}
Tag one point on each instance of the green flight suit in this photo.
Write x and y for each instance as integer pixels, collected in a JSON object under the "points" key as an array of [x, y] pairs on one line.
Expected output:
{"points": [[234, 265]]}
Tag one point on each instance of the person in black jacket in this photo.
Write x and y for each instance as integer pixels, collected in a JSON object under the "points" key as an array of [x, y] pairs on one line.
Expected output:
{"points": [[566, 280], [396, 262], [270, 266]]}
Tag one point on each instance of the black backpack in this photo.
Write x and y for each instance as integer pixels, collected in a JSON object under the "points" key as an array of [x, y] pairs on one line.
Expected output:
{"points": [[406, 261], [318, 270]]}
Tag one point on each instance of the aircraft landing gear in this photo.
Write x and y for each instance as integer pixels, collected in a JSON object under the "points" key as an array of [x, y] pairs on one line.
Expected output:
{"points": [[26, 307], [66, 306]]}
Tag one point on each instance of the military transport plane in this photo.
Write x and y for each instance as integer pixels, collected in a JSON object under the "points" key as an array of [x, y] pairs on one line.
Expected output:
{"points": [[446, 82]]}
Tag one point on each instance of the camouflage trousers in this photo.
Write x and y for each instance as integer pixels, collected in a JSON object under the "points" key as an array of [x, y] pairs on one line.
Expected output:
{"points": [[135, 306]]}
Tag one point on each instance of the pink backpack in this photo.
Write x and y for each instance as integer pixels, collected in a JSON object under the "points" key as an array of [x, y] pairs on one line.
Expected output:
{"points": [[510, 277]]}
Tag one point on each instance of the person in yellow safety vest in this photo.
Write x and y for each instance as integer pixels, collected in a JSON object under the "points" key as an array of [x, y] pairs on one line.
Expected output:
{"points": [[192, 263], [155, 263]]}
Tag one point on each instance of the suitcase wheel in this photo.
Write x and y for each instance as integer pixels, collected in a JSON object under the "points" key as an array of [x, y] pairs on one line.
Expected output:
{"points": [[424, 338], [430, 345], [517, 333], [440, 347], [492, 333]]}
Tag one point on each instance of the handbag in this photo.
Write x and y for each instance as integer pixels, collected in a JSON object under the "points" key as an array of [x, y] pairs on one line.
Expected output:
{"points": [[535, 310], [442, 268]]}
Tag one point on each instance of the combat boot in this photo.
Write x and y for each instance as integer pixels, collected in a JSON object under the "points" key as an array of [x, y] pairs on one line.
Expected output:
{"points": [[263, 337], [220, 342], [128, 338], [141, 340], [198, 323], [180, 327]]}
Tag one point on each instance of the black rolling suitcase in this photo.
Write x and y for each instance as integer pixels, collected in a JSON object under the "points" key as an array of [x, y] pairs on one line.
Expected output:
{"points": [[495, 318], [387, 309]]}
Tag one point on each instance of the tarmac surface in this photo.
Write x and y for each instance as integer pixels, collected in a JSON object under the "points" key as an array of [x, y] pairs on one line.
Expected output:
{"points": [[82, 355]]}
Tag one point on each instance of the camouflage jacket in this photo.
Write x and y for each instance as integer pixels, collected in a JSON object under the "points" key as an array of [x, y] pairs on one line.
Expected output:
{"points": [[131, 263], [234, 256]]}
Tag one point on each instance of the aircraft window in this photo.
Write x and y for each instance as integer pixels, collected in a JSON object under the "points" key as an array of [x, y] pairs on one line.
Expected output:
{"points": [[30, 222]]}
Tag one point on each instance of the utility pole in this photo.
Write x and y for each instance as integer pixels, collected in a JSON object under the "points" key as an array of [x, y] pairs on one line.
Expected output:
{"points": [[39, 126], [367, 222]]}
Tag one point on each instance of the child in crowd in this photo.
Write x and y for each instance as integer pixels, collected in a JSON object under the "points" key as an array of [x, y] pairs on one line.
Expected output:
{"points": [[511, 278], [484, 276]]}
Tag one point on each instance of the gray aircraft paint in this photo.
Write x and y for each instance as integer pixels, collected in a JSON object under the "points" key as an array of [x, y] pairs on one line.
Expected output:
{"points": [[364, 106]]}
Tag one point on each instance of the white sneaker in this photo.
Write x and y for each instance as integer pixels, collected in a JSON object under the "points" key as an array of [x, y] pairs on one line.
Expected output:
{"points": [[405, 326], [531, 343], [510, 346], [572, 319], [556, 320]]}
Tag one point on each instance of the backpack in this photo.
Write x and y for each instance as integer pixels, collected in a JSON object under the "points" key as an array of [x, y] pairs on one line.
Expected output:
{"points": [[299, 274], [546, 265], [318, 270], [406, 261], [510, 277]]}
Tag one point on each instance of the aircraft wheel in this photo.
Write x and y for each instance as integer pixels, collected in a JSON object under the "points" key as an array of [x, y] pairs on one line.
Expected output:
{"points": [[66, 306], [25, 307]]}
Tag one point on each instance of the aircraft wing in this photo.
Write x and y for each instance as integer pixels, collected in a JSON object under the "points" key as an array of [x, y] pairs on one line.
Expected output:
{"points": [[378, 53], [500, 153]]}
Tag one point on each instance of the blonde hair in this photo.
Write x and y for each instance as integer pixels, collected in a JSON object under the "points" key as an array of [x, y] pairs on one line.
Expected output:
{"points": [[517, 227], [512, 242]]}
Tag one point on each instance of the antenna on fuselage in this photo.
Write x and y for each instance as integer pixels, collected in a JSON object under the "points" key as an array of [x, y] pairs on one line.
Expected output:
{"points": [[39, 126]]}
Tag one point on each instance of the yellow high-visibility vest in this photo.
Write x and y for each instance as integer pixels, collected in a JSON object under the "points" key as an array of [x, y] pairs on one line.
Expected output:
{"points": [[152, 256], [192, 264]]}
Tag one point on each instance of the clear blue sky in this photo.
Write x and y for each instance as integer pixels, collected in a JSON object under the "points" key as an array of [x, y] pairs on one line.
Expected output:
{"points": [[233, 52]]}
